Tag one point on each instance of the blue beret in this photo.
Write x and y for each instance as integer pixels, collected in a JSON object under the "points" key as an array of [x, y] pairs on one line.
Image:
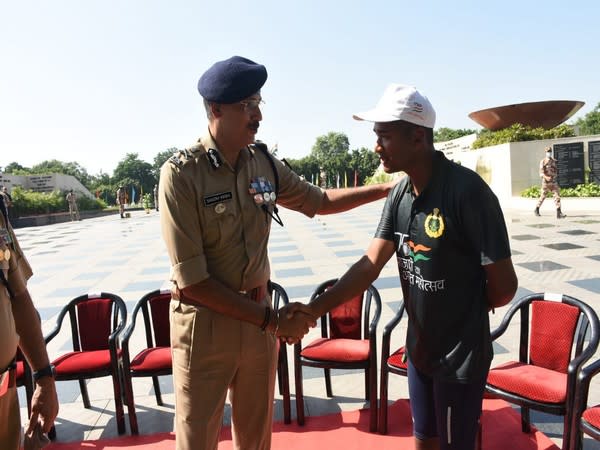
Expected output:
{"points": [[232, 80]]}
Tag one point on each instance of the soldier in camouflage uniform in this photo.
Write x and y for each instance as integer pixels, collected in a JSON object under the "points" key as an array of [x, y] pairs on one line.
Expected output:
{"points": [[549, 172]]}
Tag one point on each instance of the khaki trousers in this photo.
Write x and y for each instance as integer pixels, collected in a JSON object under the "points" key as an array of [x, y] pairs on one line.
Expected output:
{"points": [[214, 354], [10, 420], [546, 189]]}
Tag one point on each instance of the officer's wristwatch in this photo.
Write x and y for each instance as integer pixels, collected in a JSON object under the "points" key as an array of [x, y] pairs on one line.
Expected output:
{"points": [[48, 371]]}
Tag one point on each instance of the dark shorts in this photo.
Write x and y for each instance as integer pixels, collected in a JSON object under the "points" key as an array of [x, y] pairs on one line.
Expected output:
{"points": [[444, 409]]}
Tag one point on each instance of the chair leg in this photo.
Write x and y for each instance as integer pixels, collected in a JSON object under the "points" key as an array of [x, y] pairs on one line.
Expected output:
{"points": [[479, 438], [372, 379], [383, 400], [127, 388], [116, 377], [328, 382], [157, 393], [525, 421], [84, 393], [566, 431], [52, 433], [284, 384], [367, 384], [299, 393]]}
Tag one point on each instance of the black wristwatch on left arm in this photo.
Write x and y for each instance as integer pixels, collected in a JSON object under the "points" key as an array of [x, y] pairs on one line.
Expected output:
{"points": [[48, 371]]}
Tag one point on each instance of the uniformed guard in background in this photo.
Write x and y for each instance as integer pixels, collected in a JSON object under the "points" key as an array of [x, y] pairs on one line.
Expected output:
{"points": [[549, 174], [217, 202], [121, 200], [20, 326], [73, 208]]}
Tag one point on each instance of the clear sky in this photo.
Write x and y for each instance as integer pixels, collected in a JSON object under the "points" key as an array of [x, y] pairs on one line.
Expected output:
{"points": [[89, 80]]}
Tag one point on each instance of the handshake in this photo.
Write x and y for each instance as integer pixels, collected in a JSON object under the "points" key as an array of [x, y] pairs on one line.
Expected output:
{"points": [[295, 320]]}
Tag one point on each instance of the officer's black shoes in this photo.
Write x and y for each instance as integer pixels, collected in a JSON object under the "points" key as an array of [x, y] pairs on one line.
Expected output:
{"points": [[537, 211], [559, 214]]}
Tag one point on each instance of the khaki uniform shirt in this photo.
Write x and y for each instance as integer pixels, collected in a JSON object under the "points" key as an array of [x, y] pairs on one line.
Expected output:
{"points": [[17, 271], [210, 222], [71, 198], [549, 168]]}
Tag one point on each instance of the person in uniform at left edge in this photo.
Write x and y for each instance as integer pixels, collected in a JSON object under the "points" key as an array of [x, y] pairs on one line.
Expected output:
{"points": [[217, 202], [20, 326]]}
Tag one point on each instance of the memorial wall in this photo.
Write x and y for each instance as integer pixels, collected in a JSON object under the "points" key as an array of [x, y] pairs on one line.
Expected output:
{"points": [[511, 168]]}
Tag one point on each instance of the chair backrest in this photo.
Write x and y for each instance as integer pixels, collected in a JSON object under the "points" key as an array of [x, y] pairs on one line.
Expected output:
{"points": [[558, 329], [551, 340], [158, 303], [351, 319], [278, 295], [94, 318]]}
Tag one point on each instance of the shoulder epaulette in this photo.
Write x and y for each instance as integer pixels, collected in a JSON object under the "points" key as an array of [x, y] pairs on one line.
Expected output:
{"points": [[180, 157]]}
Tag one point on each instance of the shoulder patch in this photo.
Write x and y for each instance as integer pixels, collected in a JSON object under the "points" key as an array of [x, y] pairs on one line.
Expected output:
{"points": [[180, 157]]}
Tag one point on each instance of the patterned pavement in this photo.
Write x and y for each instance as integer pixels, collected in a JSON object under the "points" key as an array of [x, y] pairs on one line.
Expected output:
{"points": [[127, 257]]}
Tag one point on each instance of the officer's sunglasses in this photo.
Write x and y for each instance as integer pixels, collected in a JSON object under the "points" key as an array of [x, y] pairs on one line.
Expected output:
{"points": [[251, 105]]}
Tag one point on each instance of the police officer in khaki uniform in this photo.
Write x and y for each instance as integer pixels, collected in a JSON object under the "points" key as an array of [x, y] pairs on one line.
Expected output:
{"points": [[121, 200], [73, 208], [20, 326], [549, 173], [217, 204]]}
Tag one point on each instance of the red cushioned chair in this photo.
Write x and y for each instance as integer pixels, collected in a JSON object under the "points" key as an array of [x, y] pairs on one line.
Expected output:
{"points": [[279, 296], [586, 419], [348, 341], [24, 377], [155, 359], [96, 322], [390, 363], [552, 350]]}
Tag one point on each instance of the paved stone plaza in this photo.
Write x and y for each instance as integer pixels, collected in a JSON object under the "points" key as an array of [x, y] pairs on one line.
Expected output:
{"points": [[127, 257]]}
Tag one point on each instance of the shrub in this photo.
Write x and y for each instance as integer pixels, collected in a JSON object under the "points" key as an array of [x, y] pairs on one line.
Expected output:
{"points": [[519, 133], [581, 190], [28, 203]]}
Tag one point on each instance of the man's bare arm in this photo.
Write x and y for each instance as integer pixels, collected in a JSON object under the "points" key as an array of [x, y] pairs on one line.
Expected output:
{"points": [[502, 282]]}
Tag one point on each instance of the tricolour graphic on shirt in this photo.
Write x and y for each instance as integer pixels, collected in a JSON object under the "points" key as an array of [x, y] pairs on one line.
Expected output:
{"points": [[408, 255]]}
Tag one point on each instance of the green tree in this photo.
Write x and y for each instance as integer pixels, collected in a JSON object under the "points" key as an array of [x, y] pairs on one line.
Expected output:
{"points": [[132, 171], [307, 166], [590, 123], [447, 134], [365, 162], [16, 169], [160, 159], [331, 152]]}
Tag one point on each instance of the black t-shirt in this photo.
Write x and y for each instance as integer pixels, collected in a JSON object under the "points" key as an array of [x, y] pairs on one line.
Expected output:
{"points": [[443, 239]]}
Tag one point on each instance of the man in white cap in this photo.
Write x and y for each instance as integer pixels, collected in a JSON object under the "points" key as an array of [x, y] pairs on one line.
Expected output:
{"points": [[447, 231]]}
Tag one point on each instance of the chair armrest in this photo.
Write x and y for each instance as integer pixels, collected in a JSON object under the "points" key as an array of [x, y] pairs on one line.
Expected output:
{"points": [[495, 334], [59, 320], [387, 333], [128, 331]]}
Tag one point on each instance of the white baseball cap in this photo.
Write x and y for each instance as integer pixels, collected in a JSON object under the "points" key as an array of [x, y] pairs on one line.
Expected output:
{"points": [[401, 102]]}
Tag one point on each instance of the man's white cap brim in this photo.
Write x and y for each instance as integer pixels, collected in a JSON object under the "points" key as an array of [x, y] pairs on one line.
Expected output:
{"points": [[375, 116]]}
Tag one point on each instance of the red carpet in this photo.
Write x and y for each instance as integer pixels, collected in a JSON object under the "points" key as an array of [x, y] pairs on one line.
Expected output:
{"points": [[348, 431]]}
